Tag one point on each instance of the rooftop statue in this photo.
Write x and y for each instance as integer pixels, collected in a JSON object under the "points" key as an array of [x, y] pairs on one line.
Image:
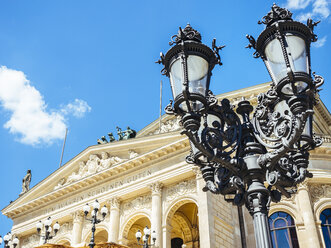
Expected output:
{"points": [[103, 140], [26, 182], [129, 133], [111, 137], [120, 133]]}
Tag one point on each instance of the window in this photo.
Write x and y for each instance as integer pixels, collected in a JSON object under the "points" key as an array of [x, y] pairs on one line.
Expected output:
{"points": [[326, 226], [283, 232]]}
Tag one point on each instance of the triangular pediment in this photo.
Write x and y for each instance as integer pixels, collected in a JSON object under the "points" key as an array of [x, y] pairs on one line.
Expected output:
{"points": [[97, 163], [155, 141]]}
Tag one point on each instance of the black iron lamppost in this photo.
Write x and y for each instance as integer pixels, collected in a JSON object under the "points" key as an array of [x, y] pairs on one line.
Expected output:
{"points": [[147, 234], [94, 220], [9, 240], [48, 229], [249, 161]]}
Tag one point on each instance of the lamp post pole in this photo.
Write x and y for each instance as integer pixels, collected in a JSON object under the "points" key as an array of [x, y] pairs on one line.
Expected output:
{"points": [[251, 161], [94, 219]]}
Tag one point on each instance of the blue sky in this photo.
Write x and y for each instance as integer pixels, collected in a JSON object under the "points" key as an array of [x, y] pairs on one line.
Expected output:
{"points": [[89, 66]]}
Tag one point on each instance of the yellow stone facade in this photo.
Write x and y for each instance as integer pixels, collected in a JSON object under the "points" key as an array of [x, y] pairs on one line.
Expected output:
{"points": [[146, 181]]}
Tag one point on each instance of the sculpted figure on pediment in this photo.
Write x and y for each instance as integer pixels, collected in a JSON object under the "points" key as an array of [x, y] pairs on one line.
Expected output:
{"points": [[60, 183], [82, 172], [169, 126], [115, 160], [133, 154], [105, 162], [92, 164], [72, 178], [76, 175]]}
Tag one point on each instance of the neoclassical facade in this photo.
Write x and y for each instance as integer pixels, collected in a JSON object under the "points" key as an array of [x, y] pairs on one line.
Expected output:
{"points": [[145, 181]]}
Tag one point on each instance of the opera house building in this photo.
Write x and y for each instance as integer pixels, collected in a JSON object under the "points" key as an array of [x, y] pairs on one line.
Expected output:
{"points": [[145, 181]]}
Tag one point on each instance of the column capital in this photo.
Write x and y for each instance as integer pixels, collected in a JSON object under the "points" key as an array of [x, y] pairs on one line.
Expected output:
{"points": [[156, 187], [196, 170], [114, 203], [303, 186], [78, 216]]}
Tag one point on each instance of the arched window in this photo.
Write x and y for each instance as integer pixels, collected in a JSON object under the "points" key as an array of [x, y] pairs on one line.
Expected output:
{"points": [[282, 229], [326, 226]]}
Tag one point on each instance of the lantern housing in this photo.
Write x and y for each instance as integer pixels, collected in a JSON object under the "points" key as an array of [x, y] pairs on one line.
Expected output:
{"points": [[188, 64], [284, 46]]}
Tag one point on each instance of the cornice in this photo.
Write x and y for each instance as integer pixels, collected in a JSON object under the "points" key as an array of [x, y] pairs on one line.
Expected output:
{"points": [[14, 211]]}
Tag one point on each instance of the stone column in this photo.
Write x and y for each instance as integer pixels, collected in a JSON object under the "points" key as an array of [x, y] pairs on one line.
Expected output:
{"points": [[114, 220], [306, 210], [206, 218], [167, 236], [157, 212], [76, 235]]}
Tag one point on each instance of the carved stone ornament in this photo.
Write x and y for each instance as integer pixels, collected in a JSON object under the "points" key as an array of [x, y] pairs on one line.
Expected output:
{"points": [[133, 154], [180, 189], [290, 200], [318, 191], [66, 228], [197, 172], [168, 126], [30, 241], [93, 165], [141, 202], [156, 188], [78, 217], [114, 203]]}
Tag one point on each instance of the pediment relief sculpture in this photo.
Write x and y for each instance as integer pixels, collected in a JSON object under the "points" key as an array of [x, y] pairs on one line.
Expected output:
{"points": [[168, 126], [94, 164]]}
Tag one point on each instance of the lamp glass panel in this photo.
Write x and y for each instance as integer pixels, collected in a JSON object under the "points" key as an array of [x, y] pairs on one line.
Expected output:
{"points": [[138, 234], [197, 68], [296, 49], [176, 78], [275, 60], [298, 86]]}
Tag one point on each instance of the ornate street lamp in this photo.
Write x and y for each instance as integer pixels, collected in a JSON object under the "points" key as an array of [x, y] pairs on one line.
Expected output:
{"points": [[48, 229], [147, 234], [94, 220], [9, 240], [251, 162]]}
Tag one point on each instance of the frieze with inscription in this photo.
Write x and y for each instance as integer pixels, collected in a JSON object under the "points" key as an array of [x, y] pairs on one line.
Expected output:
{"points": [[115, 184]]}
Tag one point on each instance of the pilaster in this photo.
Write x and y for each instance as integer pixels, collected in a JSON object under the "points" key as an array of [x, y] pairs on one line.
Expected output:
{"points": [[114, 219], [306, 210], [206, 219], [156, 220], [76, 236]]}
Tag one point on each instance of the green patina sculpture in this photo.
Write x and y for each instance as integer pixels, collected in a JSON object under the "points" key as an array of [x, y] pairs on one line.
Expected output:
{"points": [[122, 135], [111, 137]]}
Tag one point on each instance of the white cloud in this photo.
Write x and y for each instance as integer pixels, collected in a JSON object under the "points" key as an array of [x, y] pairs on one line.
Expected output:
{"points": [[30, 120], [297, 4], [320, 42], [318, 9], [78, 108]]}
